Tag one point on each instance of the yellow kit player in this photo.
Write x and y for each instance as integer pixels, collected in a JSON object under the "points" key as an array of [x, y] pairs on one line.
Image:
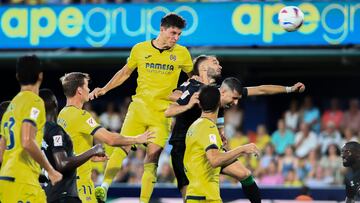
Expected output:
{"points": [[159, 63], [204, 156], [82, 129], [22, 129]]}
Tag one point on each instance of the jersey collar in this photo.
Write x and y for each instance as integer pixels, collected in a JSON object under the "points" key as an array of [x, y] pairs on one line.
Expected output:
{"points": [[160, 50]]}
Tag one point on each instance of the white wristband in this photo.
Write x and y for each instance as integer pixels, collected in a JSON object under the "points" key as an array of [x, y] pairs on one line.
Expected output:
{"points": [[288, 89]]}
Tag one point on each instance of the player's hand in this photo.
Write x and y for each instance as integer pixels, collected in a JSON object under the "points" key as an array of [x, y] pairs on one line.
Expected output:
{"points": [[196, 77], [194, 100], [54, 176], [98, 150], [99, 158], [97, 92], [145, 137], [251, 149], [298, 87]]}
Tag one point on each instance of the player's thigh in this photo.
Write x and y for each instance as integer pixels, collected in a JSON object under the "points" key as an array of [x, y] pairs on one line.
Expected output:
{"points": [[236, 170], [8, 191], [160, 125], [203, 201], [86, 191], [133, 124]]}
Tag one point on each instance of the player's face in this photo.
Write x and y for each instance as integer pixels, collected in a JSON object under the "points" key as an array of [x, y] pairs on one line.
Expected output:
{"points": [[213, 67], [229, 97], [347, 156], [85, 91], [170, 35]]}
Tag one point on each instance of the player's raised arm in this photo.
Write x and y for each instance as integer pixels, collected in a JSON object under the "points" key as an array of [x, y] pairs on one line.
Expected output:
{"points": [[179, 107], [113, 139], [275, 89], [217, 158], [28, 142], [118, 79]]}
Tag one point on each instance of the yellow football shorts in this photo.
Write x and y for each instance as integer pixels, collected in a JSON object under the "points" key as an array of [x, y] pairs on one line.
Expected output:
{"points": [[86, 191], [140, 118], [20, 192]]}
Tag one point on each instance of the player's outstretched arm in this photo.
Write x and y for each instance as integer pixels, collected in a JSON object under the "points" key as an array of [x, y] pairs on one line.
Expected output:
{"points": [[275, 89], [176, 109], [118, 79], [114, 139], [28, 142], [175, 95], [217, 158], [65, 163]]}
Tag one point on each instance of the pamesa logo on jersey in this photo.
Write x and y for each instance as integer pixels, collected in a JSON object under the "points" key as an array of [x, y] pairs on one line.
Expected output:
{"points": [[159, 66]]}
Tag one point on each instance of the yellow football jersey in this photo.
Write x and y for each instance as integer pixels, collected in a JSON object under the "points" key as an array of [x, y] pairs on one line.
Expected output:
{"points": [[80, 126], [203, 179], [158, 72], [26, 106]]}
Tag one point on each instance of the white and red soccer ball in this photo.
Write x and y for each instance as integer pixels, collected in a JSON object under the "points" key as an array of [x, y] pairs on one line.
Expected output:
{"points": [[291, 18]]}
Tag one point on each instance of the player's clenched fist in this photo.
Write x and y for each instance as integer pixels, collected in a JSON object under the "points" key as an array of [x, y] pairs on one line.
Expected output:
{"points": [[251, 149], [97, 92]]}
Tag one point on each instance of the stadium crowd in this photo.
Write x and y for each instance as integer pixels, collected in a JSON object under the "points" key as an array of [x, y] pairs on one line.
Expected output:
{"points": [[303, 150]]}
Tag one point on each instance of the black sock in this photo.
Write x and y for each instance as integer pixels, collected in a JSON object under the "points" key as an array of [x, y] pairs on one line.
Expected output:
{"points": [[251, 190]]}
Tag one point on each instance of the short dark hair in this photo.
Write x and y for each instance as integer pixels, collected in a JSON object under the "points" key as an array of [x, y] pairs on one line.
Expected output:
{"points": [[3, 106], [353, 145], [233, 84], [71, 81], [28, 69], [197, 61], [50, 100], [209, 98], [173, 20]]}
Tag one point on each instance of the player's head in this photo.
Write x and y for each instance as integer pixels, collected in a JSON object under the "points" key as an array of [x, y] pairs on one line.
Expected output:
{"points": [[76, 84], [51, 103], [171, 28], [29, 70], [3, 107], [209, 99], [350, 154], [231, 90], [207, 65]]}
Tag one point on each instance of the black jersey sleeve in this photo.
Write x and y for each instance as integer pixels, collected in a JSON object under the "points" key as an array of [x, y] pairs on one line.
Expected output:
{"points": [[192, 87], [56, 138], [183, 86]]}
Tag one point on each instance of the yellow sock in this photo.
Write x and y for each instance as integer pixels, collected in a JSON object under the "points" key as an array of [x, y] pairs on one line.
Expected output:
{"points": [[148, 181], [113, 165]]}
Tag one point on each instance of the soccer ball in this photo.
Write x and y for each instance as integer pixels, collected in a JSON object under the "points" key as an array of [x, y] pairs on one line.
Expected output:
{"points": [[291, 18]]}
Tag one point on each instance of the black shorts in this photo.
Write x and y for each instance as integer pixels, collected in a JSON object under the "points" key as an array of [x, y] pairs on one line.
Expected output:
{"points": [[177, 158]]}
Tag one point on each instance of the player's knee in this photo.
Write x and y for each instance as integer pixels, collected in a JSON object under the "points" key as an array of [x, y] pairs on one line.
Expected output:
{"points": [[243, 174], [152, 157]]}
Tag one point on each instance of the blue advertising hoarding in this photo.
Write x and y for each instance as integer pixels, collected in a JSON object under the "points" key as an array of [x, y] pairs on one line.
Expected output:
{"points": [[208, 24]]}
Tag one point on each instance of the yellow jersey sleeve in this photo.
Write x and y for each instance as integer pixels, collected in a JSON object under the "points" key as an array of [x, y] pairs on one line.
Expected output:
{"points": [[211, 138], [132, 60], [187, 65], [87, 124], [34, 112]]}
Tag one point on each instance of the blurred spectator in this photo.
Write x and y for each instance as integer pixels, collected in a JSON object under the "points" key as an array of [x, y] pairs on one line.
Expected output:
{"points": [[308, 164], [123, 108], [96, 177], [262, 137], [288, 162], [166, 174], [282, 138], [334, 114], [292, 180], [111, 119], [238, 140], [319, 177], [333, 162], [305, 141], [349, 135], [233, 120], [352, 117], [292, 116], [268, 156], [304, 194], [329, 136], [311, 115], [271, 175]]}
